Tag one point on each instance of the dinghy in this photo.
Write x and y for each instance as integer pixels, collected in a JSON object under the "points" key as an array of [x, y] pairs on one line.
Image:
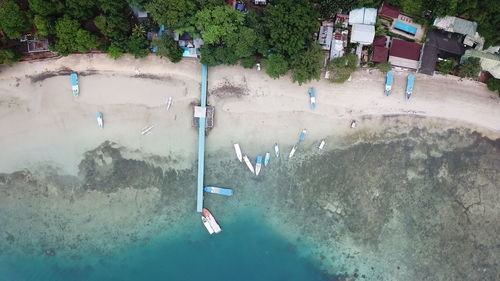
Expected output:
{"points": [[147, 130], [249, 164], [237, 149], [321, 145], [258, 165], [207, 225], [74, 84], [276, 150], [292, 152], [266, 159], [100, 122], [303, 135]]}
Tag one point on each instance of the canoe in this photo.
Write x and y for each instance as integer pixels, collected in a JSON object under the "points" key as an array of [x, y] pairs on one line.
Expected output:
{"points": [[303, 135], [169, 103], [100, 122], [258, 165], [266, 159], [292, 152], [312, 95], [276, 150], [238, 151], [249, 164], [218, 190], [207, 225], [321, 145]]}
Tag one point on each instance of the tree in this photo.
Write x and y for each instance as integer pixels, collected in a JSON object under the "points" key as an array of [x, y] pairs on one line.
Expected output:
{"points": [[212, 55], [115, 51], [217, 23], [328, 8], [290, 24], [80, 9], [211, 3], [173, 14], [46, 8], [493, 84], [447, 66], [72, 38], [306, 66], [43, 25], [248, 62], [471, 67], [276, 66], [342, 68], [384, 67], [113, 25], [137, 43], [167, 47], [9, 56], [13, 21]]}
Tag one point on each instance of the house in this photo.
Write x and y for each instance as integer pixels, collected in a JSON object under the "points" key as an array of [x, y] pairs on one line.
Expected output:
{"points": [[463, 27], [363, 16], [440, 45], [404, 54], [340, 36], [37, 45], [489, 62], [362, 34], [380, 49], [325, 34], [388, 11], [399, 23], [190, 45]]}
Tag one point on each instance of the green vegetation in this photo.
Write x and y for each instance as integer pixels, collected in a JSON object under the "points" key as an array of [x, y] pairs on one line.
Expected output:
{"points": [[13, 21], [305, 64], [384, 67], [342, 68], [276, 66], [447, 66], [493, 84], [167, 47], [72, 38], [9, 56], [471, 67], [137, 44]]}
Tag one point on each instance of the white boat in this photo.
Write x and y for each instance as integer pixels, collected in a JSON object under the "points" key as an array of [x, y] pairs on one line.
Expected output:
{"points": [[100, 122], [207, 225], [321, 145], [249, 164], [292, 152], [258, 165], [266, 159], [169, 103], [276, 150], [353, 124], [147, 130], [238, 151], [211, 220]]}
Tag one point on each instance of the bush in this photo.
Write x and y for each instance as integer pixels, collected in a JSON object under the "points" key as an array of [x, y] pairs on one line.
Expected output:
{"points": [[114, 51], [248, 62], [9, 56], [384, 67], [306, 65], [137, 44], [493, 84], [471, 67], [447, 66], [342, 68], [275, 66], [167, 47]]}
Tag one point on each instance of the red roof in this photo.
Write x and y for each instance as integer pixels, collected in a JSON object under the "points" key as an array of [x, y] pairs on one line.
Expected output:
{"points": [[405, 49], [380, 54], [342, 17], [387, 10], [379, 41]]}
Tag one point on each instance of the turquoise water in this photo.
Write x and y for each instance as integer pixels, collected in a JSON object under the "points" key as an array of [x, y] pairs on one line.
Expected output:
{"points": [[245, 250]]}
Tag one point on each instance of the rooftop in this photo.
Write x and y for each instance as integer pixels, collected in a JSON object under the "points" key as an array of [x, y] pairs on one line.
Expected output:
{"points": [[439, 43], [405, 49], [456, 25], [489, 62], [380, 54], [363, 34], [363, 16], [389, 11]]}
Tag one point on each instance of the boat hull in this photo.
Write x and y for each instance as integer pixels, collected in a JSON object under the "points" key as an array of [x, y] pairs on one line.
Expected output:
{"points": [[266, 159], [100, 122], [249, 164], [218, 190], [276, 150], [321, 145], [237, 149], [258, 165], [292, 152], [211, 220]]}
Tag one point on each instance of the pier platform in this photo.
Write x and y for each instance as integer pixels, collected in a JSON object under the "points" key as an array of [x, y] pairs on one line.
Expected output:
{"points": [[200, 114]]}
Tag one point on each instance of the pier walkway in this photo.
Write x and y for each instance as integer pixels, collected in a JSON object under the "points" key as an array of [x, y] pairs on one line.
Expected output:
{"points": [[201, 139]]}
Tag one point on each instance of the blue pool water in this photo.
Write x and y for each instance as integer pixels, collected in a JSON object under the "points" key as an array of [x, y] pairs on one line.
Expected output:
{"points": [[405, 27], [245, 250]]}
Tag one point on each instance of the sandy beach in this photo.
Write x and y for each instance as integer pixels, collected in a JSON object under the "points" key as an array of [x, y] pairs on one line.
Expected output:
{"points": [[41, 122]]}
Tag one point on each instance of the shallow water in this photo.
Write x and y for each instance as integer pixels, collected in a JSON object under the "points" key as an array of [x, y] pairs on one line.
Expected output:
{"points": [[399, 203]]}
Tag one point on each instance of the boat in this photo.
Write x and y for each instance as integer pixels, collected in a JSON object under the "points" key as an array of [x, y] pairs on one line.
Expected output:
{"points": [[238, 151], [249, 164], [207, 225], [74, 84], [409, 86], [292, 152], [353, 124], [100, 123], [303, 135], [211, 220], [258, 165], [388, 83], [147, 130], [218, 190], [169, 103], [321, 145], [276, 150], [266, 159], [312, 95]]}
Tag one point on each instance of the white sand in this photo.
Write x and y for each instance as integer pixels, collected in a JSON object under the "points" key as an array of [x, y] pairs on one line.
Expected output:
{"points": [[42, 122]]}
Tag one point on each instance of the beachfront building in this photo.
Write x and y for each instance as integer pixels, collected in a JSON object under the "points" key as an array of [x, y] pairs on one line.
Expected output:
{"points": [[363, 22], [380, 49], [404, 54], [464, 27], [340, 36], [325, 34], [440, 45], [489, 62], [399, 23]]}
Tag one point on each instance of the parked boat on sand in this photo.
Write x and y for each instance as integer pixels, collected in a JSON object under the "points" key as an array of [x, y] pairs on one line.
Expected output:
{"points": [[249, 164], [312, 95], [321, 145], [303, 135], [276, 150], [74, 84], [100, 122], [258, 165]]}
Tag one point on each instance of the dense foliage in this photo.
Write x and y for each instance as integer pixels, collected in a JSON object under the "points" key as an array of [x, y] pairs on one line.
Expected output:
{"points": [[493, 84], [167, 47], [384, 67], [342, 68], [13, 21], [447, 66], [471, 67]]}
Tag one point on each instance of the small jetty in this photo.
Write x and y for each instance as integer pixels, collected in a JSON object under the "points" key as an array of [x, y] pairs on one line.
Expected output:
{"points": [[200, 114]]}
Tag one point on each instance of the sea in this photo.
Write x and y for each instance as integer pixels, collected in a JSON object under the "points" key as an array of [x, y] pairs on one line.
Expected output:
{"points": [[408, 203]]}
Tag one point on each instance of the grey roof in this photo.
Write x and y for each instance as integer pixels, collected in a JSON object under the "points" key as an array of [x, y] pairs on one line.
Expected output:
{"points": [[489, 62], [456, 25], [363, 34], [363, 16], [439, 42]]}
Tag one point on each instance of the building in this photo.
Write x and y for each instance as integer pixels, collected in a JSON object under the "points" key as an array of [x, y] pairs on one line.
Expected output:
{"points": [[399, 23], [404, 54], [363, 16], [380, 49], [325, 34], [362, 34], [489, 62], [463, 27], [388, 11], [340, 36], [440, 45]]}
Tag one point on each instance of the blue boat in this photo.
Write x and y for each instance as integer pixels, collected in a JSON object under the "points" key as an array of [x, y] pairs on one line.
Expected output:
{"points": [[218, 190], [100, 122], [303, 135], [312, 95], [266, 159], [388, 83], [258, 165], [409, 86], [74, 84]]}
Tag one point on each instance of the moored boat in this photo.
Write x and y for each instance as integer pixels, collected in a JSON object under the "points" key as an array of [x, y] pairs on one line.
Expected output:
{"points": [[409, 86], [100, 122], [218, 190], [266, 159], [147, 130], [207, 225], [276, 150], [211, 220], [303, 135], [258, 165], [238, 151], [249, 164], [321, 145], [312, 95], [292, 152], [74, 84]]}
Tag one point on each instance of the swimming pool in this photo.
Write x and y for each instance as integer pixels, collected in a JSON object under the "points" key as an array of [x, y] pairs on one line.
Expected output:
{"points": [[405, 27]]}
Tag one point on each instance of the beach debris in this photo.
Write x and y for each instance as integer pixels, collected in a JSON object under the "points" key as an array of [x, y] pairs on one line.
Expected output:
{"points": [[168, 103], [321, 145], [147, 130], [292, 152], [303, 135], [276, 150], [100, 122], [353, 124]]}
